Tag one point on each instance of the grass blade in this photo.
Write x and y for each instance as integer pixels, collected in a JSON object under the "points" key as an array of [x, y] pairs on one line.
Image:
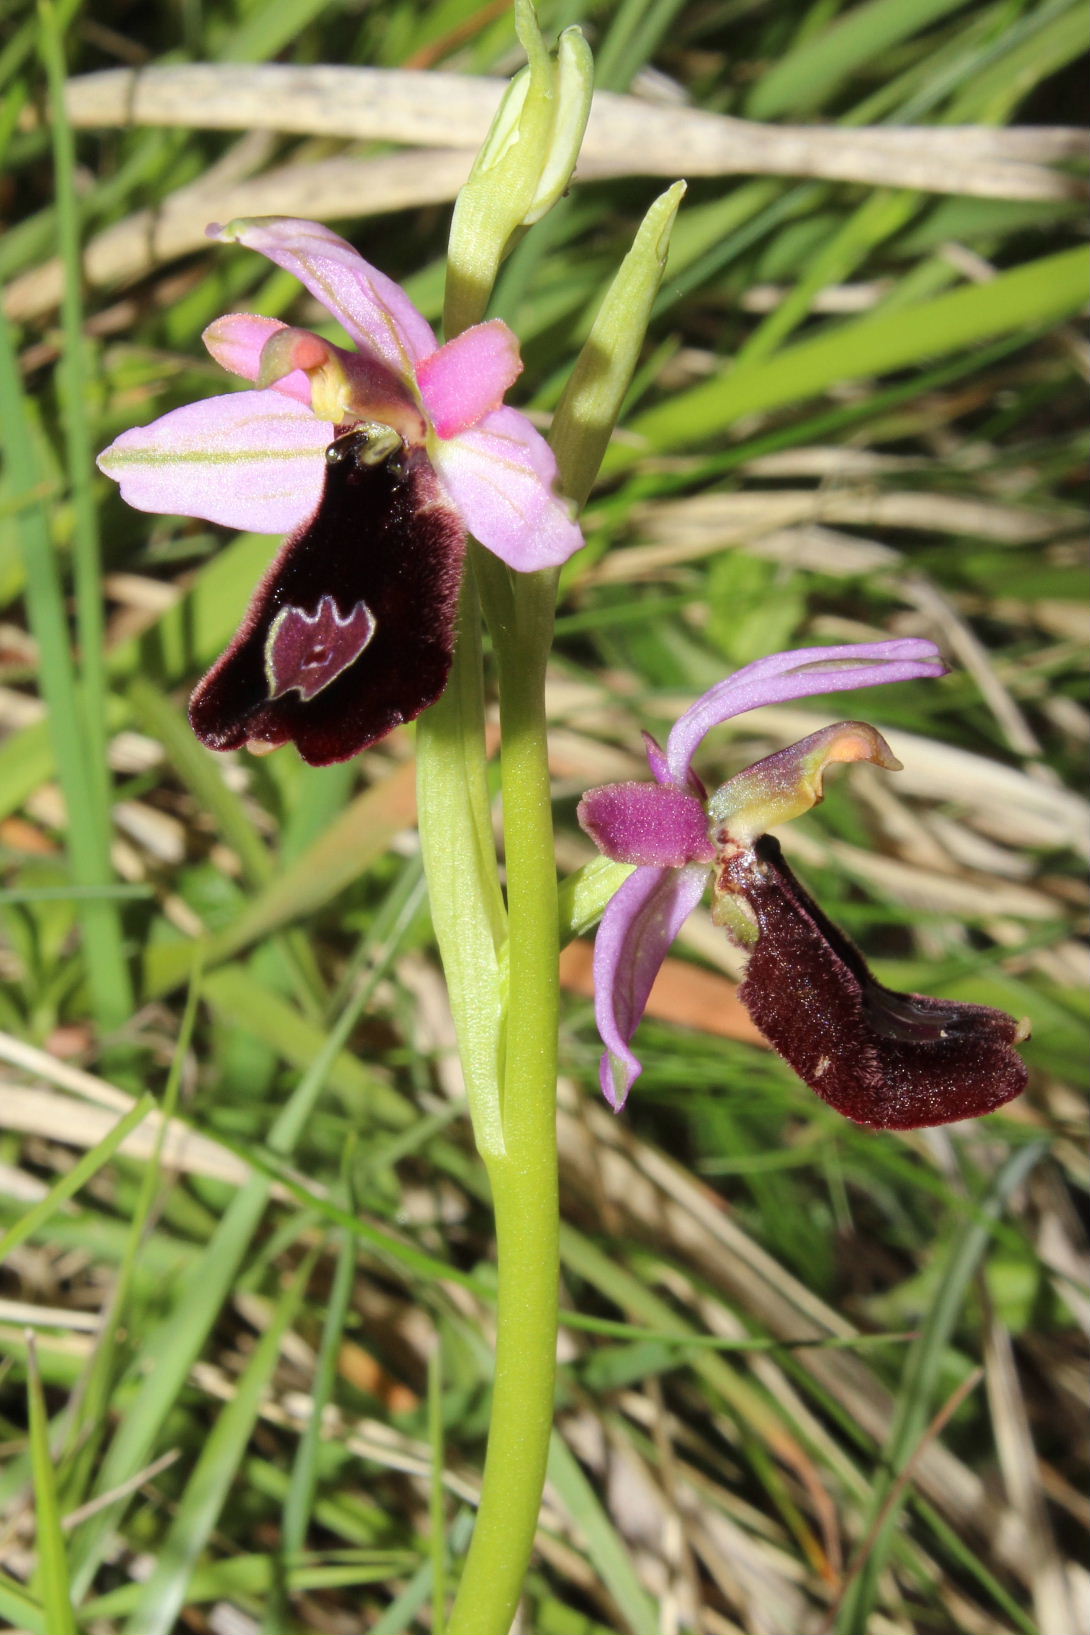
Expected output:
{"points": [[52, 1572], [1042, 292], [107, 972], [77, 1177], [921, 1377], [208, 1486]]}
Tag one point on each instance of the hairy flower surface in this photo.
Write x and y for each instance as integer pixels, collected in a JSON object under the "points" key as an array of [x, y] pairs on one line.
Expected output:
{"points": [[377, 461], [884, 1059]]}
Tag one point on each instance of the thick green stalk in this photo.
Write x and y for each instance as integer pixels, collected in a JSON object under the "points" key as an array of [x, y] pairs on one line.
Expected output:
{"points": [[520, 610], [524, 1175]]}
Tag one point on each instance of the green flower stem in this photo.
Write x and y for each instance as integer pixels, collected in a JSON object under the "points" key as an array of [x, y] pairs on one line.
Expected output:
{"points": [[524, 1176], [520, 611]]}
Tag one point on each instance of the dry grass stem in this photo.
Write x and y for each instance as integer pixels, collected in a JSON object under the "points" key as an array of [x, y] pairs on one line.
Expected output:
{"points": [[448, 114], [627, 135]]}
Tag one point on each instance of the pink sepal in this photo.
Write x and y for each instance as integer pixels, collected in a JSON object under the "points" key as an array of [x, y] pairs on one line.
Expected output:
{"points": [[373, 310], [799, 673], [250, 460], [499, 475], [640, 922], [654, 825]]}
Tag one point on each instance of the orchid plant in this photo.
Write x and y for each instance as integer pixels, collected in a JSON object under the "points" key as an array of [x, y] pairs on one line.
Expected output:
{"points": [[412, 499]]}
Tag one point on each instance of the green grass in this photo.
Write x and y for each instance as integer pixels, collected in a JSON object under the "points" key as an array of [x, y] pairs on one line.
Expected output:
{"points": [[769, 1407]]}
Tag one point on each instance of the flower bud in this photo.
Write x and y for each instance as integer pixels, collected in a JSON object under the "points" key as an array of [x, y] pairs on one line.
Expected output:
{"points": [[523, 167]]}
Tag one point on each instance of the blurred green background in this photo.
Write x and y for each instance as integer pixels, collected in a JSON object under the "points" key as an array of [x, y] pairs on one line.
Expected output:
{"points": [[812, 1378]]}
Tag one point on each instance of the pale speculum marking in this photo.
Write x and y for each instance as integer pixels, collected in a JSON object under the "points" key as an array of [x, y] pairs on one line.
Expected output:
{"points": [[304, 651]]}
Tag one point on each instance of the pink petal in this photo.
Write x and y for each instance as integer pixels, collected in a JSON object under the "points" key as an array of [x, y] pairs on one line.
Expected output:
{"points": [[236, 342], [656, 759], [374, 310], [468, 377], [798, 674], [345, 385], [647, 823], [250, 460], [640, 922], [660, 768], [500, 476]]}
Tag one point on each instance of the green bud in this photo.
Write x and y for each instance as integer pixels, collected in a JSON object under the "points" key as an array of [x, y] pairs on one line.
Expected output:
{"points": [[524, 166], [573, 85], [583, 895]]}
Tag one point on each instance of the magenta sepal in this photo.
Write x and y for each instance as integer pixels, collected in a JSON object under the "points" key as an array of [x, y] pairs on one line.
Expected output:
{"points": [[647, 823]]}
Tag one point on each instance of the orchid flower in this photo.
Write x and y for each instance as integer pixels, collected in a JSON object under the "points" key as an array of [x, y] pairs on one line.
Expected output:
{"points": [[884, 1059], [377, 462]]}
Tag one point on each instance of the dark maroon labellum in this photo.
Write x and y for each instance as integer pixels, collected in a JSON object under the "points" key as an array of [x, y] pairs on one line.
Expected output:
{"points": [[351, 632], [890, 1060]]}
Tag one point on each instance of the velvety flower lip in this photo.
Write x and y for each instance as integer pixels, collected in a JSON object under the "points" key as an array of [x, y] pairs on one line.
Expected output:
{"points": [[887, 1060], [376, 460], [333, 670]]}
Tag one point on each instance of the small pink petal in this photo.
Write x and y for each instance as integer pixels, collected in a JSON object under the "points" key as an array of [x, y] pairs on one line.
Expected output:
{"points": [[647, 823], [291, 349], [345, 385], [251, 460], [468, 377], [373, 310], [640, 922], [500, 476], [801, 673], [236, 342], [656, 759]]}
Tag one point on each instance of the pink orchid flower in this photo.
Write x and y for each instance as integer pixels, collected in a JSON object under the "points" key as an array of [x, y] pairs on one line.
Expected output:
{"points": [[377, 462], [884, 1059]]}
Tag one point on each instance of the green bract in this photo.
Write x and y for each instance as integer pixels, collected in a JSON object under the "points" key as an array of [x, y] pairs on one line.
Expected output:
{"points": [[592, 399]]}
